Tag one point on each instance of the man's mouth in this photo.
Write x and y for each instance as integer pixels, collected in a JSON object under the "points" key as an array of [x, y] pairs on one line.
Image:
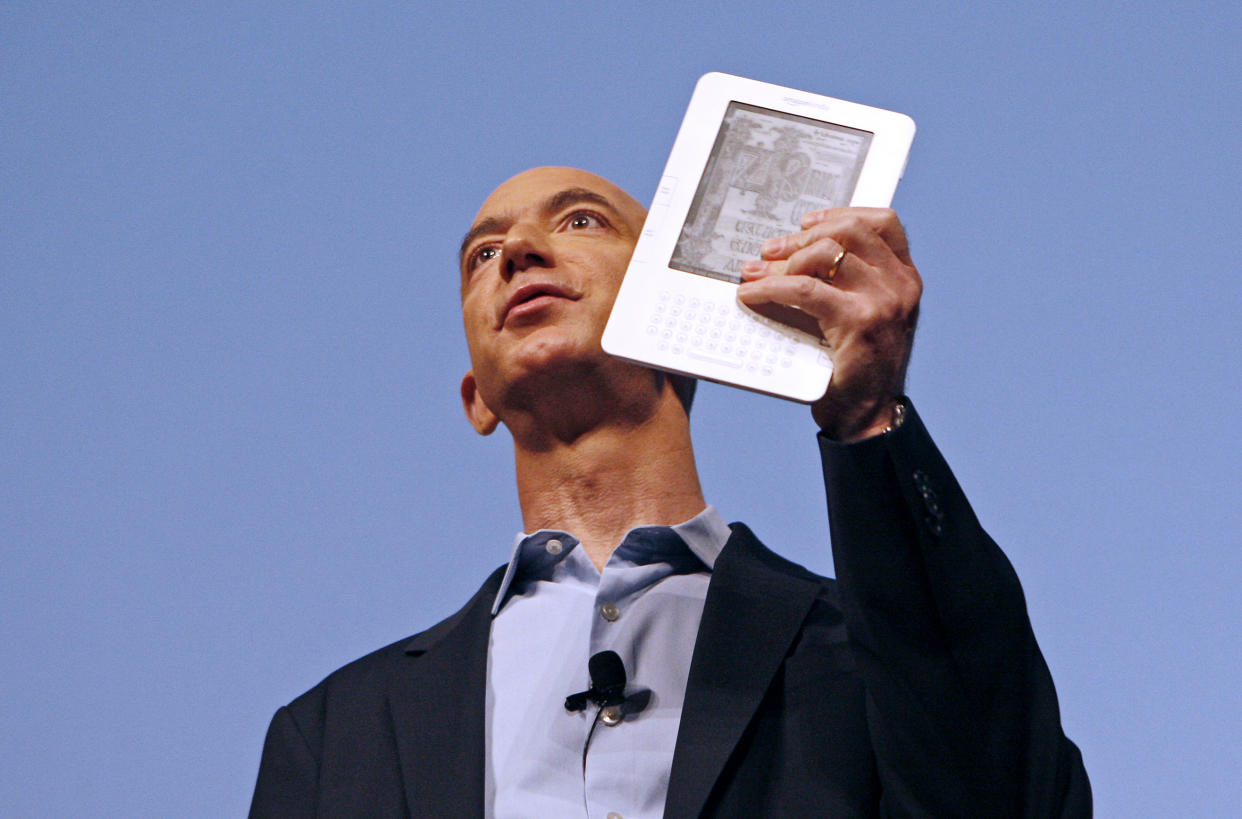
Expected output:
{"points": [[532, 297]]}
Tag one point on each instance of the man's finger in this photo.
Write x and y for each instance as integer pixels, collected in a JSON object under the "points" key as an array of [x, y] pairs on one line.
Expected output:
{"points": [[863, 232], [812, 296], [883, 222], [825, 259], [782, 247]]}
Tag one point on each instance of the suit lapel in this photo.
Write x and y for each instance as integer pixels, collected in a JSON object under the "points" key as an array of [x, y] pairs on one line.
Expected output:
{"points": [[438, 701], [755, 605]]}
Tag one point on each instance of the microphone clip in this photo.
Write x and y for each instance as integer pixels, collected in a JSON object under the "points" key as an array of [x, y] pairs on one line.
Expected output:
{"points": [[607, 683], [577, 702]]}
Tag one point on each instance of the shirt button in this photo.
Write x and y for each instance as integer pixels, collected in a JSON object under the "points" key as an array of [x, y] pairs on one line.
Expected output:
{"points": [[611, 715], [609, 612], [554, 546], [614, 815]]}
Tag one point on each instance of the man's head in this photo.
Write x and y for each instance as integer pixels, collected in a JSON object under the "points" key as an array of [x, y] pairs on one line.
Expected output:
{"points": [[540, 268]]}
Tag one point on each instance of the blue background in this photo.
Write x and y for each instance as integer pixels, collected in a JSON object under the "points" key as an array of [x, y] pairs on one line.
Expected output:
{"points": [[232, 455]]}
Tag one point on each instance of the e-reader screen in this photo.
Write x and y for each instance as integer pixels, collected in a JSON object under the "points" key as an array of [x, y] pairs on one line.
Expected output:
{"points": [[766, 170]]}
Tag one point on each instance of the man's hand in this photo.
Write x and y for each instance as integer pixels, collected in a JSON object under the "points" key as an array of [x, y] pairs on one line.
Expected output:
{"points": [[866, 303]]}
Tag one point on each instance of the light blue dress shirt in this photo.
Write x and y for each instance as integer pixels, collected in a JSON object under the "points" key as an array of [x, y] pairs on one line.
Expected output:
{"points": [[553, 611]]}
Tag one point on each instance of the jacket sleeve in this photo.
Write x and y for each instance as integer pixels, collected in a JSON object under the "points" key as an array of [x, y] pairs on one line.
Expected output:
{"points": [[288, 772], [960, 705]]}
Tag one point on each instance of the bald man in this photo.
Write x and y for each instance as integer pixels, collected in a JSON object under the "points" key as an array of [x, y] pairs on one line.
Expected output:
{"points": [[911, 685]]}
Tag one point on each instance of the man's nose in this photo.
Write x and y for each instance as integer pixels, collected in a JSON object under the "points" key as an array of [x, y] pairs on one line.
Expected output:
{"points": [[524, 247]]}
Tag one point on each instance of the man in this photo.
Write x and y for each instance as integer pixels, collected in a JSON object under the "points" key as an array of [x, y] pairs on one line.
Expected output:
{"points": [[911, 686]]}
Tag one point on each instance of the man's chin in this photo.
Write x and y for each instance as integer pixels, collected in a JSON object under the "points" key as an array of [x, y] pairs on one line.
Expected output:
{"points": [[555, 372], [554, 349]]}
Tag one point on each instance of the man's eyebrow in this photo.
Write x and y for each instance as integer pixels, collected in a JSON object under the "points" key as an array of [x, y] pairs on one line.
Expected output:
{"points": [[574, 196], [559, 200]]}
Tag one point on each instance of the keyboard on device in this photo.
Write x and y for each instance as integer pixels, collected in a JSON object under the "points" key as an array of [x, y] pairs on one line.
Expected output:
{"points": [[720, 333]]}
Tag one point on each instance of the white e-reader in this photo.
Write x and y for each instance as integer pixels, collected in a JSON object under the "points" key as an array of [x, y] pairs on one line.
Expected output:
{"points": [[750, 159]]}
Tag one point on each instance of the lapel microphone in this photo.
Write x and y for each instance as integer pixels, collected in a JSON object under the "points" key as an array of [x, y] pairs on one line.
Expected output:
{"points": [[607, 683]]}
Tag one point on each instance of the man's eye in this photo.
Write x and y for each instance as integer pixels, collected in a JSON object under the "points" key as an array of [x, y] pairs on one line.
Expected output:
{"points": [[582, 221], [484, 254]]}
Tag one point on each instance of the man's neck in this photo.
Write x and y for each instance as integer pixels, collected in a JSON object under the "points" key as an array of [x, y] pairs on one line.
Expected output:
{"points": [[624, 472]]}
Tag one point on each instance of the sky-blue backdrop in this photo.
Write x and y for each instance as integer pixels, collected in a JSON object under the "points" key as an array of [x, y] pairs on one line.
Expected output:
{"points": [[231, 451]]}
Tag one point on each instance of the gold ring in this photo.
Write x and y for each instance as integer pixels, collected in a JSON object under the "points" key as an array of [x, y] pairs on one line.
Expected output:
{"points": [[836, 265]]}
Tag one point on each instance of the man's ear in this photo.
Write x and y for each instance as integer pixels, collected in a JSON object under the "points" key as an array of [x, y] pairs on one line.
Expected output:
{"points": [[480, 414]]}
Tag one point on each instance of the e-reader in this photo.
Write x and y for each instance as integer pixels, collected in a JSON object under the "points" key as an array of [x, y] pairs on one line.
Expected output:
{"points": [[749, 160]]}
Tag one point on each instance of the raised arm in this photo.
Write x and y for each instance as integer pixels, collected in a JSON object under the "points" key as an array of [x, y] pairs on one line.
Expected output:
{"points": [[960, 705]]}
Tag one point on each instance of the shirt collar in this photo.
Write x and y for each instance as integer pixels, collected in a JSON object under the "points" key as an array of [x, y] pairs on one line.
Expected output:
{"points": [[704, 535]]}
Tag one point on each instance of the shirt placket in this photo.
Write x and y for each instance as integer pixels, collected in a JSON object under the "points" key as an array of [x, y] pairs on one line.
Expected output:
{"points": [[608, 761]]}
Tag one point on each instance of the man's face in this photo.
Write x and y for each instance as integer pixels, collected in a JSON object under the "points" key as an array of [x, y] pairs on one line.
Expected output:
{"points": [[540, 269]]}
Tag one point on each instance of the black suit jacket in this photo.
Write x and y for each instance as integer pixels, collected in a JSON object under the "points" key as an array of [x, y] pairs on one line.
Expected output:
{"points": [[910, 686]]}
